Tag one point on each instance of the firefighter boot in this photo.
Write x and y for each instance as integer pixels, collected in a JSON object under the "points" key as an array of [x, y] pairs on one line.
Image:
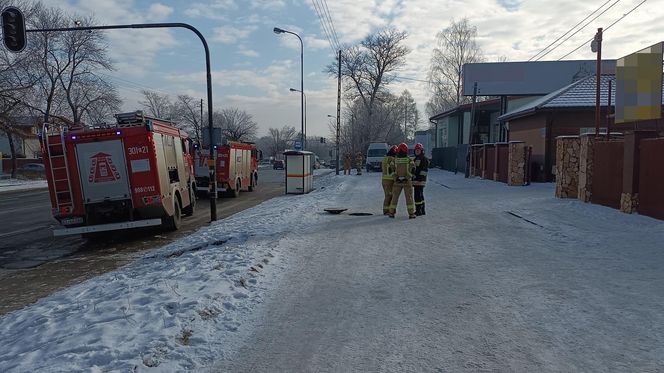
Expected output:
{"points": [[422, 210]]}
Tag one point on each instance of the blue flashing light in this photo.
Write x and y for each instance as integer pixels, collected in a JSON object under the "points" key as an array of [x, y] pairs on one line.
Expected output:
{"points": [[73, 137], [118, 133]]}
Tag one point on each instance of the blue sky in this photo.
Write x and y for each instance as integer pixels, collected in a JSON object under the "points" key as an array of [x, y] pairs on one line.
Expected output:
{"points": [[253, 68]]}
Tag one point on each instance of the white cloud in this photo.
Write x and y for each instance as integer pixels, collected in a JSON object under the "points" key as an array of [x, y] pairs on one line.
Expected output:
{"points": [[243, 50], [313, 43], [268, 4], [159, 12], [231, 35], [216, 10]]}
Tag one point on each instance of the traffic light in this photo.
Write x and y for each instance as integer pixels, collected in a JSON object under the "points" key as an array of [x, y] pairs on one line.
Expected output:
{"points": [[13, 29], [322, 140]]}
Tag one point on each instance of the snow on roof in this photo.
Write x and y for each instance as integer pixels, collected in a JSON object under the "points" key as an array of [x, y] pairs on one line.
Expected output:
{"points": [[580, 94]]}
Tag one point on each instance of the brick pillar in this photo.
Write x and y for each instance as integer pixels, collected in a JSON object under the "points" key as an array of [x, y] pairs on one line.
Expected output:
{"points": [[586, 154], [629, 200], [567, 166], [517, 163]]}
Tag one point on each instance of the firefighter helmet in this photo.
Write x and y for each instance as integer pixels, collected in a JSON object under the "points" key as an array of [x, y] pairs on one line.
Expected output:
{"points": [[419, 146], [403, 148], [393, 150]]}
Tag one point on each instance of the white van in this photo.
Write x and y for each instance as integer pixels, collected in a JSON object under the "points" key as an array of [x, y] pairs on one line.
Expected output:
{"points": [[375, 154]]}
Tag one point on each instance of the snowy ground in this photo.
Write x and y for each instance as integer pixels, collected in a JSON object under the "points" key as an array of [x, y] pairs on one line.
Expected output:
{"points": [[492, 279], [16, 184]]}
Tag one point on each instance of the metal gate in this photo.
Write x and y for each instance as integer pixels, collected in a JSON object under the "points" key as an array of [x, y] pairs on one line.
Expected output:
{"points": [[608, 173], [651, 178]]}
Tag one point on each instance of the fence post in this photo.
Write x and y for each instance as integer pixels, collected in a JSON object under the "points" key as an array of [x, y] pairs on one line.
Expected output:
{"points": [[629, 199], [567, 166], [586, 154]]}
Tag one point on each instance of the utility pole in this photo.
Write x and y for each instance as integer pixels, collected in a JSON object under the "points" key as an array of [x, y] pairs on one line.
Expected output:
{"points": [[405, 122], [338, 108], [597, 46], [201, 126]]}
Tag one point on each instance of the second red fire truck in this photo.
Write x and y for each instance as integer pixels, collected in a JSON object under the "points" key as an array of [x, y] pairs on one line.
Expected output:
{"points": [[236, 169]]}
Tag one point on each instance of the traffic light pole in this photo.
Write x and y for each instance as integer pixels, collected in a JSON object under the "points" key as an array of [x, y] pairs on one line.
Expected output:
{"points": [[211, 161]]}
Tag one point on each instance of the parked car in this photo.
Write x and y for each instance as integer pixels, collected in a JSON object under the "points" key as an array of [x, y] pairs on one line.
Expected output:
{"points": [[32, 167], [278, 165], [332, 164]]}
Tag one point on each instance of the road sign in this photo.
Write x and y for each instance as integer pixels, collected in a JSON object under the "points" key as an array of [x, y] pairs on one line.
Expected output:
{"points": [[13, 29], [298, 145]]}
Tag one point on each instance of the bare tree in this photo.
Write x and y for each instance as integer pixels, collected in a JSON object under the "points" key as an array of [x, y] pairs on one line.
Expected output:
{"points": [[368, 67], [456, 45], [236, 124], [281, 139], [188, 113], [157, 104], [410, 116], [86, 53]]}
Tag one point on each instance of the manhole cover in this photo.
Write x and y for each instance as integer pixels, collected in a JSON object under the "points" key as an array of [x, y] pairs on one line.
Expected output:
{"points": [[360, 213]]}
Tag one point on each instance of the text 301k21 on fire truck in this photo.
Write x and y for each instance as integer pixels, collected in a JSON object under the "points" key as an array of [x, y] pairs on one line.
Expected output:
{"points": [[137, 172]]}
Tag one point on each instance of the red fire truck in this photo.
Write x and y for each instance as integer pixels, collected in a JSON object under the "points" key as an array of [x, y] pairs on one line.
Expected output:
{"points": [[237, 168], [137, 172]]}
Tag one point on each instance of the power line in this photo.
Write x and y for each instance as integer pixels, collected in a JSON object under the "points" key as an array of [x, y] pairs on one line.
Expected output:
{"points": [[579, 30], [324, 25], [606, 29], [329, 17], [570, 30]]}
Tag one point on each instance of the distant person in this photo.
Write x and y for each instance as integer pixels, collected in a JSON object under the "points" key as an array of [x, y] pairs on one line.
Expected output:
{"points": [[403, 180], [347, 164], [420, 178], [359, 162], [388, 178]]}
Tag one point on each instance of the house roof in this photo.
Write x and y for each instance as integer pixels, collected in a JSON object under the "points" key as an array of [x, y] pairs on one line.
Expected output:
{"points": [[580, 94], [465, 107]]}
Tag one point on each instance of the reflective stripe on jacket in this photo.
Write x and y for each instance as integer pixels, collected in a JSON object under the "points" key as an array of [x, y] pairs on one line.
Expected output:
{"points": [[403, 167], [387, 166]]}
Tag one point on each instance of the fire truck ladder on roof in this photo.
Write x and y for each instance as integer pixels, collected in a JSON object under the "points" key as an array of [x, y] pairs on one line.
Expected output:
{"points": [[57, 158]]}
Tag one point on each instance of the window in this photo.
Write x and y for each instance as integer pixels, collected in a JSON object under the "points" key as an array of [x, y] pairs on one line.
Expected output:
{"points": [[377, 153]]}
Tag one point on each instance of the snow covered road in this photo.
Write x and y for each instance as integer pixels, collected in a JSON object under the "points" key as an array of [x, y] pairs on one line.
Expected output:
{"points": [[494, 278]]}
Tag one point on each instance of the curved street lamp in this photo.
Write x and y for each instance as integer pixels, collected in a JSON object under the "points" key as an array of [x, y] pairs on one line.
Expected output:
{"points": [[277, 30]]}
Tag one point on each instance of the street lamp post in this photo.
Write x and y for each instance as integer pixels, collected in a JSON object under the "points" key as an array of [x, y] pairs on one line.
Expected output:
{"points": [[305, 116], [277, 30], [337, 146]]}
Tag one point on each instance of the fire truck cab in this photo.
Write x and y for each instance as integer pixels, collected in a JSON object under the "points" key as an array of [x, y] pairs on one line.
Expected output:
{"points": [[136, 172]]}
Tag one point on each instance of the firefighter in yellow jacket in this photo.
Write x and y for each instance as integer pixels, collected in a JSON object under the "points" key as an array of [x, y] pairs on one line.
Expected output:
{"points": [[403, 180], [388, 179]]}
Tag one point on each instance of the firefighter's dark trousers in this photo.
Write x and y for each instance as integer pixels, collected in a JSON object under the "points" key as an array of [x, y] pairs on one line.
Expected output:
{"points": [[407, 187], [387, 190], [419, 199]]}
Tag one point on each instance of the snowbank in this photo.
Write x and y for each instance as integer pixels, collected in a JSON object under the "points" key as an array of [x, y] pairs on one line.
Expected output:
{"points": [[176, 309], [16, 184]]}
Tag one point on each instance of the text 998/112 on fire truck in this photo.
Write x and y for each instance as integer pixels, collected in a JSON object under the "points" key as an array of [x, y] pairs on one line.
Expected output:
{"points": [[137, 172]]}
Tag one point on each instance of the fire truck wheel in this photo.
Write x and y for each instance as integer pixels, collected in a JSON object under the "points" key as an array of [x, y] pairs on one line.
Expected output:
{"points": [[172, 223], [189, 210], [252, 184], [236, 192]]}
